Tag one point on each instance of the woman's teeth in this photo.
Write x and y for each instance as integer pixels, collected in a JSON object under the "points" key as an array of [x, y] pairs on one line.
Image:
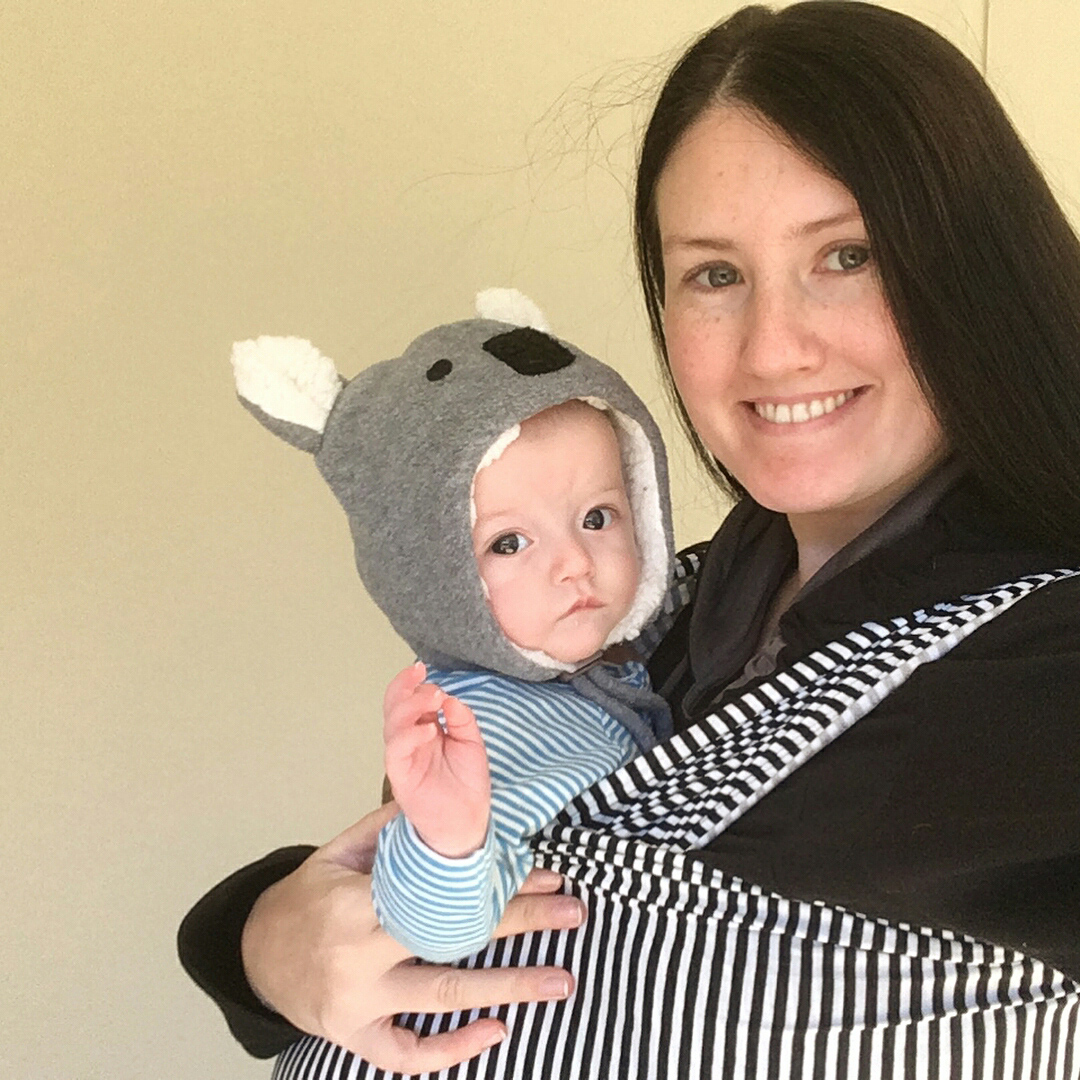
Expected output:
{"points": [[802, 411]]}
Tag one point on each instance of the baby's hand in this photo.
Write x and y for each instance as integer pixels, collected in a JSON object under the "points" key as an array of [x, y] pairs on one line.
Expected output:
{"points": [[440, 778]]}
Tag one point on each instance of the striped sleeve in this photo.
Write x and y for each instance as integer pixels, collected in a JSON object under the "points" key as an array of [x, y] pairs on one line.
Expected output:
{"points": [[545, 745], [437, 907]]}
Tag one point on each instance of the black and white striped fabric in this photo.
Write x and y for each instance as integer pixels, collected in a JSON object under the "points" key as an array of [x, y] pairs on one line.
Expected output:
{"points": [[685, 972]]}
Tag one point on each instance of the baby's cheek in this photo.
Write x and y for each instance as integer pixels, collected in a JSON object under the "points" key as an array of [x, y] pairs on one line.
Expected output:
{"points": [[625, 568], [490, 573], [505, 599]]}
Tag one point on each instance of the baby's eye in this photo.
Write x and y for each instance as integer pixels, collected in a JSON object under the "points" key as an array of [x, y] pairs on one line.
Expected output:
{"points": [[718, 276], [509, 544], [599, 517], [847, 257]]}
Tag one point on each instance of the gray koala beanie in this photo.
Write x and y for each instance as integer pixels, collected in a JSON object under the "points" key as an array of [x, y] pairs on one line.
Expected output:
{"points": [[400, 445]]}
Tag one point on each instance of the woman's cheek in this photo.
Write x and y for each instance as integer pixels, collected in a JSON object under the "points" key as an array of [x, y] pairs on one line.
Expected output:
{"points": [[695, 335], [690, 353], [677, 340]]}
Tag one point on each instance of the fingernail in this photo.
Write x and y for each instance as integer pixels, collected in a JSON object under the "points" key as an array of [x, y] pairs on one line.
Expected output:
{"points": [[495, 1038], [555, 987], [547, 879], [569, 912]]}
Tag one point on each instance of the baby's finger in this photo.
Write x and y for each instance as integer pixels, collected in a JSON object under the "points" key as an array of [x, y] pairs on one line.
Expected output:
{"points": [[420, 708], [400, 751], [460, 720], [403, 684]]}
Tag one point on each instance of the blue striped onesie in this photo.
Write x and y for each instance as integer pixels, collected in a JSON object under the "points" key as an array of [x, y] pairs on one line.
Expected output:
{"points": [[546, 743]]}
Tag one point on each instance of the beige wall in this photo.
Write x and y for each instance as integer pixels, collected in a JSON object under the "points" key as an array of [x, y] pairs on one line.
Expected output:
{"points": [[191, 671]]}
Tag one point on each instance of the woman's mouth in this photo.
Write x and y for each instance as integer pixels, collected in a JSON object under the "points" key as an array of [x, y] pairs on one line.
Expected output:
{"points": [[802, 411]]}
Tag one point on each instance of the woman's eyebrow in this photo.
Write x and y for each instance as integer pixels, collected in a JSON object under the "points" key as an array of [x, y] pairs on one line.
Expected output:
{"points": [[796, 232], [845, 217], [704, 243]]}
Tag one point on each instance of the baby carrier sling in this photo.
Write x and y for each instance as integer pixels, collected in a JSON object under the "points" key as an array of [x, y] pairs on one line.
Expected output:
{"points": [[686, 972]]}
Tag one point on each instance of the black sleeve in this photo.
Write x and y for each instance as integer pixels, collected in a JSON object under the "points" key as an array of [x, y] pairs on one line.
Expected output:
{"points": [[209, 946]]}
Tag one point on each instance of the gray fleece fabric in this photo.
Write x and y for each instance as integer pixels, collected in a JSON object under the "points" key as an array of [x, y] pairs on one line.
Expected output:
{"points": [[400, 445]]}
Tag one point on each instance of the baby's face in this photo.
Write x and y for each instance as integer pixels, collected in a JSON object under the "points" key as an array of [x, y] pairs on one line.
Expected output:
{"points": [[554, 537]]}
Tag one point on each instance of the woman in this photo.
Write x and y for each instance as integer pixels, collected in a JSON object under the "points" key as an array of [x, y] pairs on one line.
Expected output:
{"points": [[868, 307]]}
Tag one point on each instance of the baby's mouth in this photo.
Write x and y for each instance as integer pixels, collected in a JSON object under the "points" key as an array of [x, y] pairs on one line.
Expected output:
{"points": [[585, 603]]}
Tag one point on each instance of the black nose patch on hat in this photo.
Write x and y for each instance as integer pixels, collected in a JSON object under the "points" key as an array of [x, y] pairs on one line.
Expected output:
{"points": [[529, 351]]}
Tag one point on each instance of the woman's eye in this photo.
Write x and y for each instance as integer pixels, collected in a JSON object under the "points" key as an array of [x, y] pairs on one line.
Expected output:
{"points": [[719, 276], [599, 517], [509, 544], [847, 257]]}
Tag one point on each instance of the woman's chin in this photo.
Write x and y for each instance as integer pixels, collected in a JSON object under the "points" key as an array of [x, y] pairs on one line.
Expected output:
{"points": [[799, 495], [853, 501]]}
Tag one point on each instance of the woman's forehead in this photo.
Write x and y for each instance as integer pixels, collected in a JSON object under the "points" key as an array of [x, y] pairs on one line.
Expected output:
{"points": [[732, 168]]}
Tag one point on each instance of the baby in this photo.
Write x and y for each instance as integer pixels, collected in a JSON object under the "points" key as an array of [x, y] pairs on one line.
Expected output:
{"points": [[508, 502], [556, 552]]}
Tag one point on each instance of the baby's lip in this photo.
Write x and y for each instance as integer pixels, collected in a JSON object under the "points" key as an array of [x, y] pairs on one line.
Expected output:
{"points": [[584, 603]]}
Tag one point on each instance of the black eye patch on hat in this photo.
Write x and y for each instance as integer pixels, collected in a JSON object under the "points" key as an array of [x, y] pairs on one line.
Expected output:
{"points": [[529, 351]]}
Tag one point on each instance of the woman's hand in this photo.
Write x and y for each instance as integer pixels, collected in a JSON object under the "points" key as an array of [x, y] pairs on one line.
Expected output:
{"points": [[315, 953]]}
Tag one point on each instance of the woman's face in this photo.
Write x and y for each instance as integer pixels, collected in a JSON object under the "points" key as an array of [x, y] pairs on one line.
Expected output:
{"points": [[780, 341]]}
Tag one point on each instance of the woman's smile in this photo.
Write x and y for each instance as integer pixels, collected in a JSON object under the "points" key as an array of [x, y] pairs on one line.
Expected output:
{"points": [[801, 410]]}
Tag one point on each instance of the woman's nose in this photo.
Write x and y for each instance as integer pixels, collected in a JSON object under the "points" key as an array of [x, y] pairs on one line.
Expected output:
{"points": [[778, 337]]}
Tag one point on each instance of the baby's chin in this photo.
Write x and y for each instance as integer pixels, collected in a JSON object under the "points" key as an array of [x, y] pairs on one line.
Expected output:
{"points": [[579, 649]]}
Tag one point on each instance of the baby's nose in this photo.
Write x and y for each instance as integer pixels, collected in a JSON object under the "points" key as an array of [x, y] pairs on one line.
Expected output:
{"points": [[573, 561]]}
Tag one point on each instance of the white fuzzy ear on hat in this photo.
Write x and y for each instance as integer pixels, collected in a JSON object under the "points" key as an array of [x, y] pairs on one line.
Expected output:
{"points": [[287, 378], [510, 306]]}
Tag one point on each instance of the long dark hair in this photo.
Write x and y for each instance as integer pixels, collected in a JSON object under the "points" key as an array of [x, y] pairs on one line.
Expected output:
{"points": [[978, 263]]}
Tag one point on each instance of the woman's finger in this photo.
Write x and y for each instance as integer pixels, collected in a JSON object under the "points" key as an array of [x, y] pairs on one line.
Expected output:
{"points": [[540, 911], [435, 988], [354, 848], [541, 881], [397, 1049]]}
